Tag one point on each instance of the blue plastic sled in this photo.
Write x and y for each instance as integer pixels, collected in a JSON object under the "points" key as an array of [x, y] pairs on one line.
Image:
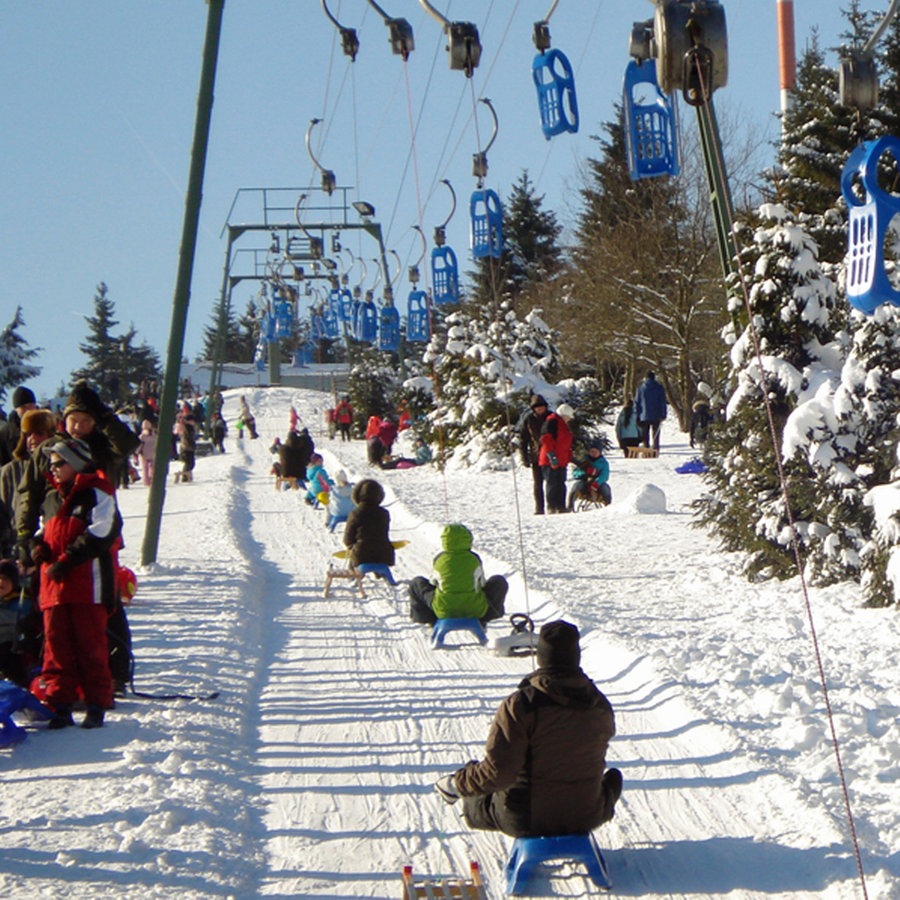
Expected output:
{"points": [[529, 852], [14, 699]]}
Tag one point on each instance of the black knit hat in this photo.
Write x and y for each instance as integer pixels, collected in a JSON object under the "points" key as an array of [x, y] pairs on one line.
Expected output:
{"points": [[557, 646], [10, 570], [537, 400], [21, 396]]}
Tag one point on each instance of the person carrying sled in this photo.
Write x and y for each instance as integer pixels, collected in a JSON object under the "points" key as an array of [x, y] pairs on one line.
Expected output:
{"points": [[367, 533], [76, 553], [544, 769], [591, 476], [247, 419], [457, 588]]}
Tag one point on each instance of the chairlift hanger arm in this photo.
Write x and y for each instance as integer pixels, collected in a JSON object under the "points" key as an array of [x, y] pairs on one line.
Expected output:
{"points": [[541, 34], [479, 159], [349, 40], [446, 221], [328, 180], [870, 44]]}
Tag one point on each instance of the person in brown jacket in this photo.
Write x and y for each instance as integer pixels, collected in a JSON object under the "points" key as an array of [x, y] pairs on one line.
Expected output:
{"points": [[367, 533], [543, 770]]}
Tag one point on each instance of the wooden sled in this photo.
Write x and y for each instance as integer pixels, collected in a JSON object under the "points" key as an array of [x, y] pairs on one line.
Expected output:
{"points": [[471, 888], [642, 453], [348, 574], [345, 554]]}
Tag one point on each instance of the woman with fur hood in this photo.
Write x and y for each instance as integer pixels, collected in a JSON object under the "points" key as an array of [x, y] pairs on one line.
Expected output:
{"points": [[367, 534]]}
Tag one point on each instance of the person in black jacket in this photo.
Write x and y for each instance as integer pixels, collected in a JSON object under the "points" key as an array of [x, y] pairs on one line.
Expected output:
{"points": [[23, 400], [367, 532], [544, 768], [530, 426]]}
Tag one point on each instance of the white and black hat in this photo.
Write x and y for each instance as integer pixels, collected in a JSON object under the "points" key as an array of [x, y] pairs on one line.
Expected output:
{"points": [[76, 453]]}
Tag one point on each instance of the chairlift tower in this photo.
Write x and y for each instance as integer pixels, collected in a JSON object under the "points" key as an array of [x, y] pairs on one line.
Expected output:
{"points": [[271, 212]]}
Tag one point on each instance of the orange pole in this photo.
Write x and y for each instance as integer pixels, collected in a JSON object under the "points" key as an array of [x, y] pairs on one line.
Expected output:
{"points": [[786, 54]]}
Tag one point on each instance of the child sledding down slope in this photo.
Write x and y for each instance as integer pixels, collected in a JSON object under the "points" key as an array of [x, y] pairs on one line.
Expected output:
{"points": [[368, 525]]}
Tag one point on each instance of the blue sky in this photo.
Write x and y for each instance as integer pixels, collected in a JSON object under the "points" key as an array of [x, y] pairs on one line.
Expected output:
{"points": [[98, 110]]}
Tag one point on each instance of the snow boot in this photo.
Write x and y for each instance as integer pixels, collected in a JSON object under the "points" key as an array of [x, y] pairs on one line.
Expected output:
{"points": [[94, 718], [62, 718]]}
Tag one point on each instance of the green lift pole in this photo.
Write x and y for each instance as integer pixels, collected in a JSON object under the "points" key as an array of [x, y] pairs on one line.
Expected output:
{"points": [[183, 280]]}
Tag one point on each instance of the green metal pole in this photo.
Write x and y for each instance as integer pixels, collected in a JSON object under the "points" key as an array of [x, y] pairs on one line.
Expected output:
{"points": [[183, 280], [215, 375]]}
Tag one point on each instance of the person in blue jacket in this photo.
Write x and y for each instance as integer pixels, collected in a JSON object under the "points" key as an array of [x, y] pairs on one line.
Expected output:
{"points": [[650, 405], [591, 474]]}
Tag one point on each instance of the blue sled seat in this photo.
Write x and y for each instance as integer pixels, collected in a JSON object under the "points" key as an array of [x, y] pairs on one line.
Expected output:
{"points": [[381, 570], [444, 626], [529, 852]]}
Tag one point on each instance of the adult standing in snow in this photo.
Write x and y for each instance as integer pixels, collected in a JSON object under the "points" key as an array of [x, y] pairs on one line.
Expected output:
{"points": [[650, 405], [544, 768], [343, 417], [555, 456], [530, 426], [247, 419], [23, 400]]}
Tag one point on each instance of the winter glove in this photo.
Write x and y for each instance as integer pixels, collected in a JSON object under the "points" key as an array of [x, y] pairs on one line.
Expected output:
{"points": [[57, 571], [554, 462], [446, 787], [41, 553]]}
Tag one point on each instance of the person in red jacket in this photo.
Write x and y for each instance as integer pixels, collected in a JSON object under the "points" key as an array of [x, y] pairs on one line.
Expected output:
{"points": [[343, 417], [76, 552], [555, 455]]}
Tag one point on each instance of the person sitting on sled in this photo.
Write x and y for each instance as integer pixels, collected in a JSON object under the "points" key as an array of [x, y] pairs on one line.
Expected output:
{"points": [[367, 533], [457, 589], [544, 769], [317, 480], [591, 476], [20, 627], [340, 501]]}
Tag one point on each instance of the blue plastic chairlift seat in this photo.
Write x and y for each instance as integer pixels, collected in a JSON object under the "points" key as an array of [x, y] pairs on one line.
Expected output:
{"points": [[651, 124], [868, 285], [367, 322], [417, 325], [389, 329], [486, 215], [555, 85], [444, 275]]}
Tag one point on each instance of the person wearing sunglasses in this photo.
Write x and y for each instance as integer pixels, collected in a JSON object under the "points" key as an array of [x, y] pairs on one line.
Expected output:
{"points": [[76, 555]]}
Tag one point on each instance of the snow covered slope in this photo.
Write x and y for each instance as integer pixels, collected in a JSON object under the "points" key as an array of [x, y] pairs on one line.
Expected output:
{"points": [[312, 774]]}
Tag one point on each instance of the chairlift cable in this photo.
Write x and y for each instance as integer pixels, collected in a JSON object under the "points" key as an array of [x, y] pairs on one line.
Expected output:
{"points": [[789, 513]]}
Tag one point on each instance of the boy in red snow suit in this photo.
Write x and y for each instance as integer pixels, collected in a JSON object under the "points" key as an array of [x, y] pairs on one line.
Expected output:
{"points": [[78, 582]]}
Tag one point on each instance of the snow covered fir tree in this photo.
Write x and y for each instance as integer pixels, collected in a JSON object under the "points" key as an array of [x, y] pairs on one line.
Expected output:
{"points": [[15, 353]]}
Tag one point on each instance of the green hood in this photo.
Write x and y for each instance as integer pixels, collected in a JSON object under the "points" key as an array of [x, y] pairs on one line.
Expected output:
{"points": [[456, 537]]}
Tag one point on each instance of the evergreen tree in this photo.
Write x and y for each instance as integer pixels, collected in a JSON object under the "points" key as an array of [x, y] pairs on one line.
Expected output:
{"points": [[14, 355], [116, 363], [482, 370], [531, 255], [248, 332], [791, 302], [233, 347], [101, 348]]}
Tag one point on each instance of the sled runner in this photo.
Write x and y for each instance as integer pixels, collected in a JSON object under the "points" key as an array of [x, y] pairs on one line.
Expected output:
{"points": [[520, 640], [471, 888]]}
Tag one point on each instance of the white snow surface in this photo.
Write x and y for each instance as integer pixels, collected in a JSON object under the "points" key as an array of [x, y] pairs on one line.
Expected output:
{"points": [[312, 773]]}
